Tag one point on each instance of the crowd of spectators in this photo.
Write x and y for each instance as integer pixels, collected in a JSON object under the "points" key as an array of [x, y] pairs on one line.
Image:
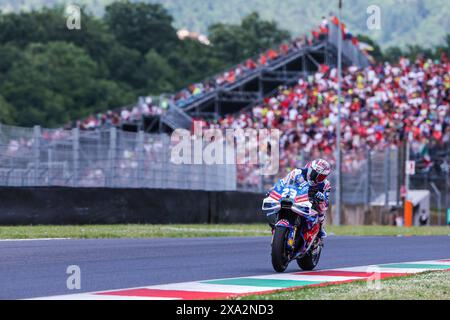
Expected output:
{"points": [[382, 106], [146, 106]]}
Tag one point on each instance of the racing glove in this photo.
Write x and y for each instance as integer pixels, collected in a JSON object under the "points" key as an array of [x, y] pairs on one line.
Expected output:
{"points": [[319, 197]]}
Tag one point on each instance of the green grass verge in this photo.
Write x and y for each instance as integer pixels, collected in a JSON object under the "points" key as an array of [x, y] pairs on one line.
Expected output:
{"points": [[187, 230], [131, 231], [388, 231], [424, 286]]}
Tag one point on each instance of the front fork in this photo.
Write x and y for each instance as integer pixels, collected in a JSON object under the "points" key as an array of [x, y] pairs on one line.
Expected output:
{"points": [[290, 241]]}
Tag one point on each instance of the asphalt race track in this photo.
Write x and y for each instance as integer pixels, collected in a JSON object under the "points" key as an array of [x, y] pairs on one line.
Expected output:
{"points": [[38, 268]]}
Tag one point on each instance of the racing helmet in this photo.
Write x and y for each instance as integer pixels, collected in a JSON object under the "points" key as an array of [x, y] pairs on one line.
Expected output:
{"points": [[318, 171]]}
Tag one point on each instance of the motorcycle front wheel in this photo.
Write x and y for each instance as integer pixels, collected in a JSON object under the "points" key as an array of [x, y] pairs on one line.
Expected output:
{"points": [[280, 259], [310, 260]]}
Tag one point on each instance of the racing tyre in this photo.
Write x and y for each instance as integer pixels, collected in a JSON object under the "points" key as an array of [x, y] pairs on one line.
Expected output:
{"points": [[280, 259]]}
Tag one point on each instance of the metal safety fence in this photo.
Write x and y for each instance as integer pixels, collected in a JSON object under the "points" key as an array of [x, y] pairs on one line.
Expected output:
{"points": [[119, 159], [101, 158], [368, 177]]}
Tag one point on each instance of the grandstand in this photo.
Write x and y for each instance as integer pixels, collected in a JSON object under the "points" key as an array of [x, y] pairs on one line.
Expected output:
{"points": [[284, 67], [243, 85]]}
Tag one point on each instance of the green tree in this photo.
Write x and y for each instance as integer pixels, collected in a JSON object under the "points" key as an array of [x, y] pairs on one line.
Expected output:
{"points": [[58, 82], [141, 26], [50, 74], [443, 49], [94, 36], [21, 29], [393, 54], [260, 35], [9, 54], [50, 25], [193, 62], [125, 65], [233, 43], [414, 51], [6, 112], [160, 75]]}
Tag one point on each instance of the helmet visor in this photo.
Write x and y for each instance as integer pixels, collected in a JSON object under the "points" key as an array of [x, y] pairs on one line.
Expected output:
{"points": [[315, 176]]}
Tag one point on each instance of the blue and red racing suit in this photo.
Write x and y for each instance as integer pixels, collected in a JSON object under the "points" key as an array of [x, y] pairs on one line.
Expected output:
{"points": [[318, 194]]}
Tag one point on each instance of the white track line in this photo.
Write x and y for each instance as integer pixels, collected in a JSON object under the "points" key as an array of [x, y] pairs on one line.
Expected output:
{"points": [[436, 262], [374, 268], [300, 277]]}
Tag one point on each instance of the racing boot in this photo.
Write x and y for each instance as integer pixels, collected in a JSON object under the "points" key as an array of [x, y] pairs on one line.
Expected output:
{"points": [[272, 226]]}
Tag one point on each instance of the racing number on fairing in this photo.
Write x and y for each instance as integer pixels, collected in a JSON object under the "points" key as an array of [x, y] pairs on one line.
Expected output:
{"points": [[292, 193]]}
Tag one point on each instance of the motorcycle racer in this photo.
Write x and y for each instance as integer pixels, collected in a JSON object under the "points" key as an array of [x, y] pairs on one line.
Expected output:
{"points": [[315, 174]]}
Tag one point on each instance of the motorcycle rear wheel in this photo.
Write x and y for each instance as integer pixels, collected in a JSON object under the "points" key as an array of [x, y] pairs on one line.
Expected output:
{"points": [[280, 260], [310, 260]]}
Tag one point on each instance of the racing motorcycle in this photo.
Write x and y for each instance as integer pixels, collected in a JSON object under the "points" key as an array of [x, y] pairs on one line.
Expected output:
{"points": [[296, 226]]}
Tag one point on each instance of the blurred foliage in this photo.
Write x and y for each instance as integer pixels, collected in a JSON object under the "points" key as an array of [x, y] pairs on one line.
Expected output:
{"points": [[412, 52], [50, 75], [56, 82], [141, 26], [6, 111], [253, 34], [403, 22]]}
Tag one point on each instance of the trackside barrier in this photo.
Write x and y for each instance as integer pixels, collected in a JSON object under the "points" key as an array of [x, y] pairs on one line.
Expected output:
{"points": [[62, 206]]}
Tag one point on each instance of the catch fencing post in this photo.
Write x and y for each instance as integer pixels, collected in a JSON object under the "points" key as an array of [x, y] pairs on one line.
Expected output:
{"points": [[387, 173], [398, 159], [368, 180], [112, 156], [49, 161], [75, 156], [404, 167], [337, 219], [140, 158], [447, 181], [165, 176], [36, 152], [439, 201]]}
